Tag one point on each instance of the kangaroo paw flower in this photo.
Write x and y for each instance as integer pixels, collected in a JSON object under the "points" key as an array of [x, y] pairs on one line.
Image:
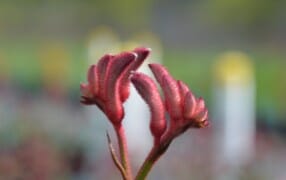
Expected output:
{"points": [[108, 82], [108, 87], [185, 110]]}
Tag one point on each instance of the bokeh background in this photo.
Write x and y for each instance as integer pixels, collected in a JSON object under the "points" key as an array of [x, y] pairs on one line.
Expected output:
{"points": [[47, 46]]}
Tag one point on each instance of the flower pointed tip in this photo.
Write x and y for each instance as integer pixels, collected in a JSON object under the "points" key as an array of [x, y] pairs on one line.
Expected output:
{"points": [[204, 124], [143, 49], [159, 72], [134, 54], [130, 55], [83, 85], [84, 88], [189, 105], [107, 56], [91, 72], [142, 52], [153, 65], [135, 75], [207, 123], [155, 68]]}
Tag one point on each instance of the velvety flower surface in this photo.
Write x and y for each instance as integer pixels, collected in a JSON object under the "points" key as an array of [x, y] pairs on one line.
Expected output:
{"points": [[185, 110], [149, 92], [108, 82]]}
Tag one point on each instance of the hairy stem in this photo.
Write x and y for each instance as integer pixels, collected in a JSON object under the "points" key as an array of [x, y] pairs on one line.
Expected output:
{"points": [[148, 164], [159, 148], [122, 143]]}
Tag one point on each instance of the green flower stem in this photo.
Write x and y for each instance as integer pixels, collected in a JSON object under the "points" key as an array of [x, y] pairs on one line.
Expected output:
{"points": [[159, 148], [122, 142], [148, 164]]}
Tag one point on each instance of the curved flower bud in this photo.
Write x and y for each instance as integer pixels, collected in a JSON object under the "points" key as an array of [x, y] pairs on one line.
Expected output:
{"points": [[183, 88], [189, 105], [116, 67], [142, 54], [102, 64], [195, 112], [200, 105], [146, 87], [159, 71], [185, 110], [103, 84]]}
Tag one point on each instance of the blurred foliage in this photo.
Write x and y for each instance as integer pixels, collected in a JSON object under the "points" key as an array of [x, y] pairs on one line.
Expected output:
{"points": [[60, 14], [127, 11], [243, 12]]}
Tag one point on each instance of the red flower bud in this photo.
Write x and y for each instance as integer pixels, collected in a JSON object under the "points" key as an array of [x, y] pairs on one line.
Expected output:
{"points": [[189, 105], [142, 54], [172, 97], [103, 84], [146, 87], [185, 110], [159, 71], [183, 88], [102, 64]]}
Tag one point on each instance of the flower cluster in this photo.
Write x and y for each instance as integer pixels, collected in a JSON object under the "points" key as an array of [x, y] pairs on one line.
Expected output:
{"points": [[184, 109], [108, 88], [108, 82]]}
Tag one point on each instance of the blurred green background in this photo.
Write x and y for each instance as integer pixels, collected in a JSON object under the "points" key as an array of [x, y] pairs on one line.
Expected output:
{"points": [[44, 57]]}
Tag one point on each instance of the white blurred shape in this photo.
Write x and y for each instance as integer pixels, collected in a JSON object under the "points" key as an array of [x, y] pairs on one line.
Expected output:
{"points": [[234, 112]]}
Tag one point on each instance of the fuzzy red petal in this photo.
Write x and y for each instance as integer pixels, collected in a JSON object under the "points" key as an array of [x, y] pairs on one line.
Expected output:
{"points": [[142, 54], [159, 71], [172, 96], [183, 88], [117, 65], [103, 64], [92, 78], [200, 105], [190, 104], [146, 87]]}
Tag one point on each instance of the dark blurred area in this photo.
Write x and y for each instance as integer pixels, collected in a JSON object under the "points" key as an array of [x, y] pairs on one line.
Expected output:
{"points": [[221, 49]]}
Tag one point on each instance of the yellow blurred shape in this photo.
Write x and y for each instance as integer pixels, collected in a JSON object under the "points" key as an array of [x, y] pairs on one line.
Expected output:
{"points": [[54, 61], [129, 45], [102, 41], [233, 67]]}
